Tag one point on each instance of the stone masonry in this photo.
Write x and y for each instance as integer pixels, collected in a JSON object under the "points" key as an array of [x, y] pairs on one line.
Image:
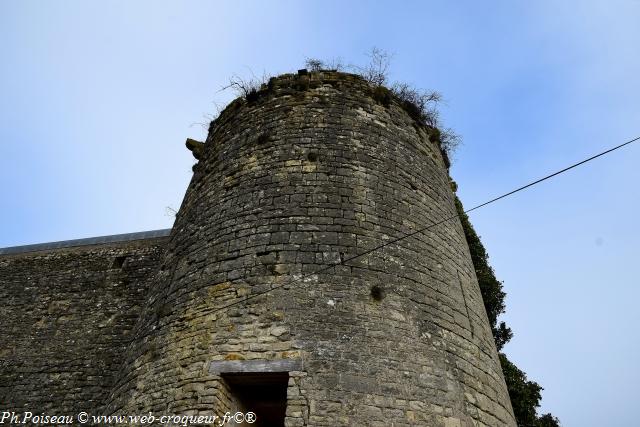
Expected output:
{"points": [[66, 316], [268, 270]]}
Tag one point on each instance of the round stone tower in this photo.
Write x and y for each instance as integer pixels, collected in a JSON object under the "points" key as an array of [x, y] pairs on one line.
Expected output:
{"points": [[260, 304]]}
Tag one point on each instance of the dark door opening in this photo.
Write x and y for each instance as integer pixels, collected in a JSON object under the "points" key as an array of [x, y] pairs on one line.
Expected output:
{"points": [[264, 394]]}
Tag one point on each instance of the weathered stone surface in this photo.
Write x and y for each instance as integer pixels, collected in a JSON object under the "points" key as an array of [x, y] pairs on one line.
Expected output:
{"points": [[309, 173], [246, 366], [66, 317]]}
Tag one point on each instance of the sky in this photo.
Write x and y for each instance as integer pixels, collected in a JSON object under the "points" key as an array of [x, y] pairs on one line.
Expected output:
{"points": [[97, 99]]}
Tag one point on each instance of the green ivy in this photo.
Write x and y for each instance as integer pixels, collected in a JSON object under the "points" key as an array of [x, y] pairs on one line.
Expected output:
{"points": [[525, 395]]}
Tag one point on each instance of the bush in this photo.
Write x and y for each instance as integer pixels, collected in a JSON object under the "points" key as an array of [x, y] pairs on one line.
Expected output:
{"points": [[524, 394], [314, 64], [421, 105], [248, 89], [490, 287], [377, 70]]}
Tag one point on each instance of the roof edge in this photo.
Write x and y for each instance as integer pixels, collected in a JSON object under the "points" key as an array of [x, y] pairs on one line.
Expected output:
{"points": [[140, 235]]}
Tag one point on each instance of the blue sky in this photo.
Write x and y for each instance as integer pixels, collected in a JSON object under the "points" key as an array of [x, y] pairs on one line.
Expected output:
{"points": [[97, 99]]}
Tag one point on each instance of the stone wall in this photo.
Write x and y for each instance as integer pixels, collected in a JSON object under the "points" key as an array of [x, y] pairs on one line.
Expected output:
{"points": [[66, 316], [294, 182]]}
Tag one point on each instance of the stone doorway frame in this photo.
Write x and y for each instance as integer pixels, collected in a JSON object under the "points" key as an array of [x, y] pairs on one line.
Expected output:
{"points": [[297, 405]]}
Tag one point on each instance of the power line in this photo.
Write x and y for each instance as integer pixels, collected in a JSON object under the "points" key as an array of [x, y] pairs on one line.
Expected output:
{"points": [[421, 230], [554, 174]]}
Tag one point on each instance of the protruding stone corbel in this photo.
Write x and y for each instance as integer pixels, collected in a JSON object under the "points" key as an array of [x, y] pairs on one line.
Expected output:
{"points": [[196, 148]]}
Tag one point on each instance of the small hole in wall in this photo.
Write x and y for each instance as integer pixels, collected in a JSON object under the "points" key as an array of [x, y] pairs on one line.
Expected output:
{"points": [[263, 138], [163, 310], [312, 156], [118, 262], [377, 293]]}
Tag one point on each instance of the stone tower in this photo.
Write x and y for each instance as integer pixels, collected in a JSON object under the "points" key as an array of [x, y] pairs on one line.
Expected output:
{"points": [[258, 305]]}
